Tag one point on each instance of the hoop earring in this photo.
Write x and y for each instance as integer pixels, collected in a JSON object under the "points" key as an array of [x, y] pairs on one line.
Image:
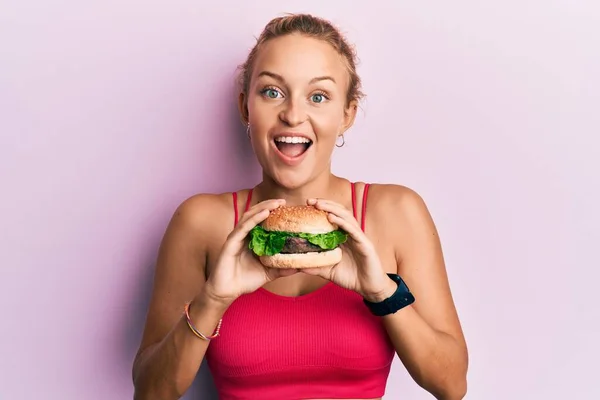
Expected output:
{"points": [[343, 141]]}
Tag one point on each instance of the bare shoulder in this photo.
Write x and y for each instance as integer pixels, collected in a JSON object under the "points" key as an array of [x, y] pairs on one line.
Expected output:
{"points": [[390, 194], [401, 204], [407, 222], [206, 220], [196, 208], [204, 213]]}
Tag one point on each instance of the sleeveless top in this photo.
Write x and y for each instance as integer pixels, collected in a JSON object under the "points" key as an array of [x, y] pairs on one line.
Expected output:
{"points": [[324, 344]]}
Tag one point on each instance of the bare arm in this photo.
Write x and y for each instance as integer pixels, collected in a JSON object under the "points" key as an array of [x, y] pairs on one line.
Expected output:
{"points": [[427, 335], [170, 354]]}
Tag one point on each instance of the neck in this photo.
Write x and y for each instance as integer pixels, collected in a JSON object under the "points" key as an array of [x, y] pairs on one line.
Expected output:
{"points": [[326, 186]]}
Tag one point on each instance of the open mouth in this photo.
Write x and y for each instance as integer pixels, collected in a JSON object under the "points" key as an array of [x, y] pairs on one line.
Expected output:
{"points": [[292, 147]]}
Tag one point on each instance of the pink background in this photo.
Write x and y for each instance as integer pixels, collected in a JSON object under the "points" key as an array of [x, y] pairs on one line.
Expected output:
{"points": [[113, 112]]}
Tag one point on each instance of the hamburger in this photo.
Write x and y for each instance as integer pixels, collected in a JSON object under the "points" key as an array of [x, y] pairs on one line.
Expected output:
{"points": [[297, 237]]}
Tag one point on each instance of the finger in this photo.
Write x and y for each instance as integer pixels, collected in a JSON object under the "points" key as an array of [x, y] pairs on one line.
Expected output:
{"points": [[323, 272], [274, 273], [350, 226], [328, 204], [270, 204], [335, 208], [253, 217], [265, 204]]}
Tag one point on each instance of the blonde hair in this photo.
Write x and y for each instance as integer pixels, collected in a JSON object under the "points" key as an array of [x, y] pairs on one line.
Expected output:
{"points": [[313, 27]]}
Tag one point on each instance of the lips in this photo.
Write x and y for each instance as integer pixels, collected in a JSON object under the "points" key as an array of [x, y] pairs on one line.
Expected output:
{"points": [[292, 150], [291, 147]]}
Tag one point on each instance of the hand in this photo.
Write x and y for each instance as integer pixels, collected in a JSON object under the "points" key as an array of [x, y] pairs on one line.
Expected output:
{"points": [[237, 271], [360, 269]]}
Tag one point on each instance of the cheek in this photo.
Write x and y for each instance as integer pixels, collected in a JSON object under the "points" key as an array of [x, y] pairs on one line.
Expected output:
{"points": [[261, 116], [263, 112], [328, 123], [254, 109]]}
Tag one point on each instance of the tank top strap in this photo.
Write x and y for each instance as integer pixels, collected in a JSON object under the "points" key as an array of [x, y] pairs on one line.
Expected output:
{"points": [[363, 214], [363, 207], [236, 211], [248, 200], [353, 187]]}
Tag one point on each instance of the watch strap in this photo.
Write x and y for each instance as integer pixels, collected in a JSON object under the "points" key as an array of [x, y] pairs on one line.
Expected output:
{"points": [[401, 298]]}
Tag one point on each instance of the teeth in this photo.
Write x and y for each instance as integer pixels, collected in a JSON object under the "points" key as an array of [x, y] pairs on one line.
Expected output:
{"points": [[292, 139]]}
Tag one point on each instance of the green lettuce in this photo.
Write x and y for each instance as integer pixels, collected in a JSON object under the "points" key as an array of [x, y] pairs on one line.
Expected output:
{"points": [[268, 243]]}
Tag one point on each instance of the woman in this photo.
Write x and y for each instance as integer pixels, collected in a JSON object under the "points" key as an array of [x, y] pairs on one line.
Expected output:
{"points": [[328, 332]]}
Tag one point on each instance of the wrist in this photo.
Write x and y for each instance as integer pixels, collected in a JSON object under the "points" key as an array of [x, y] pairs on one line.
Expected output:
{"points": [[212, 300], [400, 298], [386, 291]]}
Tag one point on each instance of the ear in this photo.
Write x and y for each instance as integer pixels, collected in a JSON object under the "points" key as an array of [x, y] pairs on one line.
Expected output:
{"points": [[349, 116], [243, 108]]}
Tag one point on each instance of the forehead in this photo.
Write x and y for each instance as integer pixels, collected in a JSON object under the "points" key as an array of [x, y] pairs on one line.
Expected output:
{"points": [[301, 58]]}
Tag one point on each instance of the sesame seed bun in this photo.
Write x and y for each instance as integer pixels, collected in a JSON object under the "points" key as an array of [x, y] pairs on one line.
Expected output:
{"points": [[303, 260], [300, 219], [305, 219]]}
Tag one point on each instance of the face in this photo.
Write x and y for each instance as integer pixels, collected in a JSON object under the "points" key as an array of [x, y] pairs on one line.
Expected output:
{"points": [[297, 107]]}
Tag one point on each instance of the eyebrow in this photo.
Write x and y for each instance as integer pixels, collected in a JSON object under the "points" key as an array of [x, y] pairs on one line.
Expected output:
{"points": [[282, 80]]}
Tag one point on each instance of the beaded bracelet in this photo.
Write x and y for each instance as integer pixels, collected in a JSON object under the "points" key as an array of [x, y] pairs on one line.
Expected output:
{"points": [[196, 331]]}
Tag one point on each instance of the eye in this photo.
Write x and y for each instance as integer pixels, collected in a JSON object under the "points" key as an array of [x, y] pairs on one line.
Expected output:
{"points": [[318, 97], [271, 93]]}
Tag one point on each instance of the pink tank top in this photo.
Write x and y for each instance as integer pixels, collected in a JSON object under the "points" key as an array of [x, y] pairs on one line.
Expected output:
{"points": [[325, 344]]}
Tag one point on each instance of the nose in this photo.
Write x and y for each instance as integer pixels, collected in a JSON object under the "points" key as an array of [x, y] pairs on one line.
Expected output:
{"points": [[293, 113]]}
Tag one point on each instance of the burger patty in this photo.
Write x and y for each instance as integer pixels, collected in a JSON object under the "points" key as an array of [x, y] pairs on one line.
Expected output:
{"points": [[295, 245]]}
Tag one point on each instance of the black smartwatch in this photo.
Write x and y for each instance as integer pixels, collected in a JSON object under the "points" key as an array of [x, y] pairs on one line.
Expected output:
{"points": [[401, 298]]}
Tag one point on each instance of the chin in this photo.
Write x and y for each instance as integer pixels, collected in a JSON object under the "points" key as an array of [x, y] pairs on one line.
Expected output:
{"points": [[290, 179], [288, 173]]}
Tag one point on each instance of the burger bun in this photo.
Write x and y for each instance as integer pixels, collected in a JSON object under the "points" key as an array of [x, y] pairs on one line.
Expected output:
{"points": [[305, 219], [327, 258]]}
